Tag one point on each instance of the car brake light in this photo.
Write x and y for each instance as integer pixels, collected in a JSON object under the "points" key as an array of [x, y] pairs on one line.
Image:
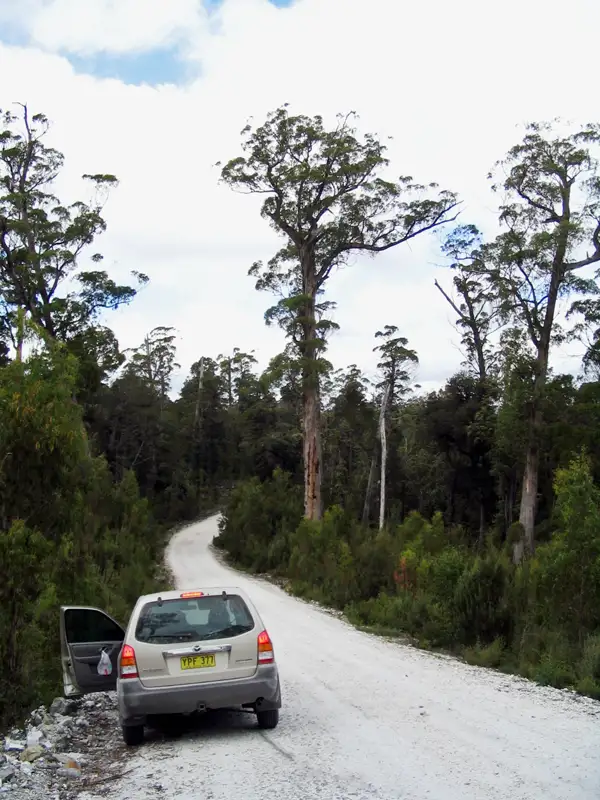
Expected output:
{"points": [[191, 594], [128, 665], [265, 649]]}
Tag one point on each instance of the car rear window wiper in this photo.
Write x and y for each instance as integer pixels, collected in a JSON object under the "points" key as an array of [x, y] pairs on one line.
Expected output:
{"points": [[230, 630], [182, 635]]}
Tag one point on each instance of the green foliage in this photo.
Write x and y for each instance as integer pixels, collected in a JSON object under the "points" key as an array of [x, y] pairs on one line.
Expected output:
{"points": [[590, 662], [480, 600], [589, 667], [41, 439], [491, 655], [259, 521], [478, 313], [42, 239], [395, 362], [153, 361], [323, 191], [68, 533]]}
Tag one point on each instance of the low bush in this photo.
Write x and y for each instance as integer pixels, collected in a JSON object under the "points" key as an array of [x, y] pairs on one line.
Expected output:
{"points": [[491, 655]]}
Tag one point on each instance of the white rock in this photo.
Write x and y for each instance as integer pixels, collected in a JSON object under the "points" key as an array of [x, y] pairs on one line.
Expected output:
{"points": [[34, 736], [7, 773], [59, 706], [13, 745]]}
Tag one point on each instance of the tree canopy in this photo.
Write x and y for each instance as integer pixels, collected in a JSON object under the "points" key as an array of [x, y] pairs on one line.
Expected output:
{"points": [[324, 191]]}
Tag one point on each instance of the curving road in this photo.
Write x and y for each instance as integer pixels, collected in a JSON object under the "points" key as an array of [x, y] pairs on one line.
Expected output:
{"points": [[367, 718]]}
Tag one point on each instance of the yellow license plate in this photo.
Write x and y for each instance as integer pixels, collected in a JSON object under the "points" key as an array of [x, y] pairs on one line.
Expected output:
{"points": [[198, 662]]}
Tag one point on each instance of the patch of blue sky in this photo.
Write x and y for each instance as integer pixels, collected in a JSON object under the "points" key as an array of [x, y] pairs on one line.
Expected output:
{"points": [[153, 67], [278, 3], [12, 35]]}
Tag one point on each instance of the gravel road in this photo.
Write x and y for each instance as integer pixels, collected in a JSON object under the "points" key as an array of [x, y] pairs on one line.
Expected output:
{"points": [[367, 718]]}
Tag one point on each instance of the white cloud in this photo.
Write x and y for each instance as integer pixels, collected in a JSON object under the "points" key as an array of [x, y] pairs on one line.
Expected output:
{"points": [[111, 26], [450, 81]]}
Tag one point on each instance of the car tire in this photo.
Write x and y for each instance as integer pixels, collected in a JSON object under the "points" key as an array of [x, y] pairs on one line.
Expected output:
{"points": [[267, 720], [133, 735]]}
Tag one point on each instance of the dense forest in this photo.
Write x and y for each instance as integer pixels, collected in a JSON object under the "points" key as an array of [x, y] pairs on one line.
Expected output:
{"points": [[467, 518]]}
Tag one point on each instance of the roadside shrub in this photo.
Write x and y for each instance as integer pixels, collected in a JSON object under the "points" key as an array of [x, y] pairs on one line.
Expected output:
{"points": [[439, 575], [438, 625], [480, 601], [491, 655], [433, 535], [555, 672], [375, 555], [588, 687], [321, 556], [542, 652], [258, 521], [589, 666], [400, 614]]}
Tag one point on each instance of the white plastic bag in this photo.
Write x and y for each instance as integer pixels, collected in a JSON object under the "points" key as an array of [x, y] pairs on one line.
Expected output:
{"points": [[34, 736], [105, 664]]}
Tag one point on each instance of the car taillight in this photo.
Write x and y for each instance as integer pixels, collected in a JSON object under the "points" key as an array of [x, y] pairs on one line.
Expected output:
{"points": [[265, 649], [128, 665]]}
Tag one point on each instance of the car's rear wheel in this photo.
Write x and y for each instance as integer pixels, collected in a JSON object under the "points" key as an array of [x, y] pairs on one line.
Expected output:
{"points": [[267, 720], [133, 735]]}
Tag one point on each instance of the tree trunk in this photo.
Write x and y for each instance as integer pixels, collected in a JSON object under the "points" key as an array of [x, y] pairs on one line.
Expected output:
{"points": [[229, 384], [451, 507], [382, 436], [371, 480], [198, 395], [312, 454], [19, 353], [481, 540], [470, 320], [20, 333], [529, 491], [197, 455], [507, 491], [369, 492], [528, 507], [311, 402]]}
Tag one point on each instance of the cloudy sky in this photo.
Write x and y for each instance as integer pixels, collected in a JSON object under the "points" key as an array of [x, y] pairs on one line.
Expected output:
{"points": [[157, 91]]}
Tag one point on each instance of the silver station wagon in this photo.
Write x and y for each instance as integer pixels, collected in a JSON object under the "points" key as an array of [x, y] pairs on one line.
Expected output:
{"points": [[182, 652]]}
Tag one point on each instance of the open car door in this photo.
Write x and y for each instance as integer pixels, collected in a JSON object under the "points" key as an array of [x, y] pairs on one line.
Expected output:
{"points": [[85, 633]]}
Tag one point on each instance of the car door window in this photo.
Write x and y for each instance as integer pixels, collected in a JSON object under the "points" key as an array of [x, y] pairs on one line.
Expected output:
{"points": [[86, 625]]}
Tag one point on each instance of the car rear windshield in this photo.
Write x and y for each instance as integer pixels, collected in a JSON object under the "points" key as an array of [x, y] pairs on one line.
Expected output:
{"points": [[193, 620]]}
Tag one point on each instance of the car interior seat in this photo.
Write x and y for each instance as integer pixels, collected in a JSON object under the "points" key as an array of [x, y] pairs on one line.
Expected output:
{"points": [[219, 617]]}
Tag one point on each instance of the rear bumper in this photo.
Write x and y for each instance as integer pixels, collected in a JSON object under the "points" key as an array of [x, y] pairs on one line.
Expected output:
{"points": [[137, 702]]}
